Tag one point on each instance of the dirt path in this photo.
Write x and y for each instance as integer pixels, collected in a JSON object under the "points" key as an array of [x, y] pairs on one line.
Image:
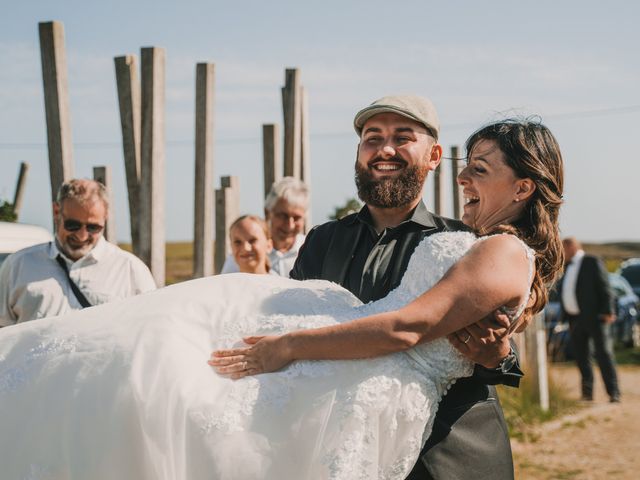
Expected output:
{"points": [[601, 441]]}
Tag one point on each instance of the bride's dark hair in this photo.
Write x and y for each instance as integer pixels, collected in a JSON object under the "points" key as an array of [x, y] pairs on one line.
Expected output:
{"points": [[532, 152]]}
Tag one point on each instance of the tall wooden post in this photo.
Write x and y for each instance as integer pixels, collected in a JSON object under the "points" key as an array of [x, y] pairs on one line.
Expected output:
{"points": [[102, 174], [535, 364], [129, 101], [292, 123], [272, 160], [305, 151], [456, 191], [19, 193], [203, 208], [152, 234], [227, 210], [438, 191], [56, 103]]}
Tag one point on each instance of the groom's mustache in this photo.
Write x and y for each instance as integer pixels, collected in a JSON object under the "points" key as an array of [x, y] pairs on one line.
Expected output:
{"points": [[395, 159]]}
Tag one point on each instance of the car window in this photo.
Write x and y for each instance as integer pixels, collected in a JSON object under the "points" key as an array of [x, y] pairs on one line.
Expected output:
{"points": [[632, 274]]}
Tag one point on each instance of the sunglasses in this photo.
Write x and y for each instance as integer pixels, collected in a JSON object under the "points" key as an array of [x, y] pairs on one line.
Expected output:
{"points": [[75, 225]]}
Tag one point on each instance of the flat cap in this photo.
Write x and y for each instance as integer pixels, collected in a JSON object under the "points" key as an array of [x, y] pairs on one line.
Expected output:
{"points": [[419, 109]]}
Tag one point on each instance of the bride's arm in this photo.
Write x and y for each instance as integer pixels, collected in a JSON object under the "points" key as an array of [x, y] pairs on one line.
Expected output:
{"points": [[495, 272]]}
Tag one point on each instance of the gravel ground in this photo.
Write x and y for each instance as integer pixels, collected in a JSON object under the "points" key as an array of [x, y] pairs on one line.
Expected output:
{"points": [[601, 441]]}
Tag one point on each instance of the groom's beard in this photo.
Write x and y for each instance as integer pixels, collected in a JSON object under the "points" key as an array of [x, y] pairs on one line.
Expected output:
{"points": [[390, 192]]}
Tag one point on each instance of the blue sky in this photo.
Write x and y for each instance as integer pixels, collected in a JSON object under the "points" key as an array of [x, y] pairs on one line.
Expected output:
{"points": [[573, 63]]}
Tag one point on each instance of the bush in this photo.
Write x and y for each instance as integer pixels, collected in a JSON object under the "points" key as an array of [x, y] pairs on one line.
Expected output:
{"points": [[351, 206], [6, 212]]}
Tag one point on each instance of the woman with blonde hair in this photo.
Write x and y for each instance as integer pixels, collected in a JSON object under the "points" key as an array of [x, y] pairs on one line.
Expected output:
{"points": [[251, 244]]}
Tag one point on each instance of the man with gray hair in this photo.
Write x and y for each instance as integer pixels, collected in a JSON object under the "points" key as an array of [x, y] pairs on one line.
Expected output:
{"points": [[76, 270], [285, 209]]}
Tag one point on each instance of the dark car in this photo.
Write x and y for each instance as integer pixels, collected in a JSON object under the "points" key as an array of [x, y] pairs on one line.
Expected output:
{"points": [[624, 331], [630, 270]]}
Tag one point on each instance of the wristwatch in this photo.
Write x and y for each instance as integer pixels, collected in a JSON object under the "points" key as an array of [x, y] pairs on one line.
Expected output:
{"points": [[507, 362]]}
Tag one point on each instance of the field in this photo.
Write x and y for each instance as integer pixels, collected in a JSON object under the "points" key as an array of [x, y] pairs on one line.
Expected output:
{"points": [[179, 261], [614, 253]]}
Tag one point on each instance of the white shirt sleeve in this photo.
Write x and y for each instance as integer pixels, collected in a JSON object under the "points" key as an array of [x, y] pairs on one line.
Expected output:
{"points": [[141, 278]]}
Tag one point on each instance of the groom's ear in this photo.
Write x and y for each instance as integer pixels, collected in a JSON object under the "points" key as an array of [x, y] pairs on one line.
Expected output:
{"points": [[526, 187], [435, 156]]}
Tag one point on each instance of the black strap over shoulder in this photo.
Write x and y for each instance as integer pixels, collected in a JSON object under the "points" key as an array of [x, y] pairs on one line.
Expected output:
{"points": [[76, 291]]}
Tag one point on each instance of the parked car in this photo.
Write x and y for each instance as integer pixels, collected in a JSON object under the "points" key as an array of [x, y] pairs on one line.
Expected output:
{"points": [[16, 236], [625, 330], [630, 270]]}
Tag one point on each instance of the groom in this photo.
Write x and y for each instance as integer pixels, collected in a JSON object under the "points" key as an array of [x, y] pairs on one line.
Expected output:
{"points": [[368, 252]]}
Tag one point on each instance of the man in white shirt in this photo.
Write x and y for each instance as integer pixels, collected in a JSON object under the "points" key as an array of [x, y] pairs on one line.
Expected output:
{"points": [[587, 304], [284, 208], [78, 269]]}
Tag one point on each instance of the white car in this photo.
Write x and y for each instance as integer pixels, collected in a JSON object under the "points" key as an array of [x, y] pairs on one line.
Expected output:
{"points": [[16, 236]]}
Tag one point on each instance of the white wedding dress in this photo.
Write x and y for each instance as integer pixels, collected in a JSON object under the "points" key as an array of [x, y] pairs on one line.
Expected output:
{"points": [[123, 390]]}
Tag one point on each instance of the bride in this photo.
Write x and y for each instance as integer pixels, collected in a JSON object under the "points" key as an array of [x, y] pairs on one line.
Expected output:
{"points": [[123, 390]]}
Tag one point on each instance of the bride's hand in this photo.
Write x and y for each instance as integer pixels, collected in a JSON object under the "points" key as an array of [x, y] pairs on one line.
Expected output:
{"points": [[265, 354]]}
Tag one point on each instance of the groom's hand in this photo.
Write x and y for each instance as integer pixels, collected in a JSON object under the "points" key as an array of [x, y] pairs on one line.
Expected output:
{"points": [[485, 342]]}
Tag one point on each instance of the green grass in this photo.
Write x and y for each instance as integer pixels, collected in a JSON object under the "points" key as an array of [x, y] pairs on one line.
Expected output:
{"points": [[522, 412], [628, 356]]}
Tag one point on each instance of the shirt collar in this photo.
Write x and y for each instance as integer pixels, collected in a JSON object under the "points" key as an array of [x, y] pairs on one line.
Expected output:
{"points": [[95, 254], [420, 216]]}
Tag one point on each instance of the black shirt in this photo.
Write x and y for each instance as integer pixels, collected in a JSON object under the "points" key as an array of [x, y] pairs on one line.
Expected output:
{"points": [[369, 274]]}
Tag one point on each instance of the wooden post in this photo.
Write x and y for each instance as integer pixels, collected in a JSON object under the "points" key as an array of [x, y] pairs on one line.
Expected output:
{"points": [[203, 208], [305, 152], [292, 123], [129, 101], [535, 356], [103, 175], [227, 210], [152, 235], [271, 155], [456, 191], [19, 194], [438, 191], [56, 103]]}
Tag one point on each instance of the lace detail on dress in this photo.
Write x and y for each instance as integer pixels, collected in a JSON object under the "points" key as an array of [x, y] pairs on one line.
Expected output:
{"points": [[14, 377], [403, 389]]}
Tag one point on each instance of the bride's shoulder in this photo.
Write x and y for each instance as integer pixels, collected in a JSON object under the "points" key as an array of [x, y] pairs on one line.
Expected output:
{"points": [[504, 245]]}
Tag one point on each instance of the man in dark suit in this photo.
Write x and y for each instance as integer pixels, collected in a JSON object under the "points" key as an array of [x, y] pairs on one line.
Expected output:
{"points": [[368, 252], [587, 304]]}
